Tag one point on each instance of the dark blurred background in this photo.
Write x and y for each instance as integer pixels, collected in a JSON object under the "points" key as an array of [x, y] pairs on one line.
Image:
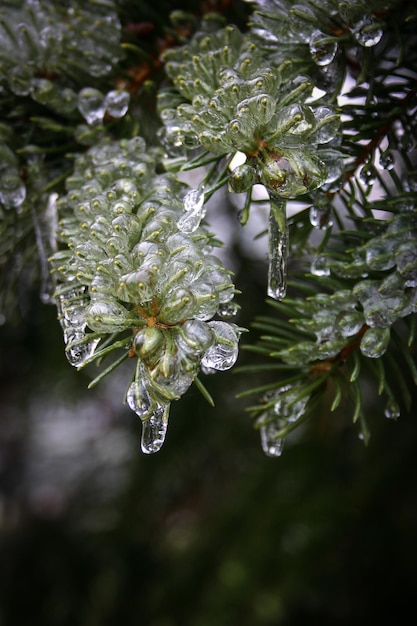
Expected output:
{"points": [[207, 532]]}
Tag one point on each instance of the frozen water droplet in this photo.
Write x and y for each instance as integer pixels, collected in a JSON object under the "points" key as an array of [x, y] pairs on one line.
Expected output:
{"points": [[116, 103], [328, 124], [12, 189], [375, 342], [392, 410], [319, 266], [367, 174], [386, 160], [227, 310], [138, 399], [271, 444], [222, 354], [321, 217], [91, 105], [277, 251], [154, 430], [194, 199], [322, 48], [80, 352], [368, 31], [194, 211]]}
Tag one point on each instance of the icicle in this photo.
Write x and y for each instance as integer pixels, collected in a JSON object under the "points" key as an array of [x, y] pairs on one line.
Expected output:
{"points": [[71, 314], [154, 430], [45, 230], [278, 250]]}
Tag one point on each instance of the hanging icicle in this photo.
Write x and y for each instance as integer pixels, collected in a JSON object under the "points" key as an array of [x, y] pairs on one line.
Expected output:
{"points": [[277, 249]]}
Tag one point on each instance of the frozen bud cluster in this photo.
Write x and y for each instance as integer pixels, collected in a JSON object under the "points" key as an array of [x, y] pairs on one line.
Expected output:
{"points": [[129, 269], [235, 102], [41, 41]]}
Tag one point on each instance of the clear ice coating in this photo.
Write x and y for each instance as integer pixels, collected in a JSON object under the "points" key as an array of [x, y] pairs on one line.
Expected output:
{"points": [[91, 105], [278, 251], [271, 444], [154, 430], [194, 211]]}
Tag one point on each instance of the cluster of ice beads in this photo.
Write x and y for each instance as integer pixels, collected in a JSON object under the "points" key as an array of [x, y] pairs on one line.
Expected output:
{"points": [[129, 268]]}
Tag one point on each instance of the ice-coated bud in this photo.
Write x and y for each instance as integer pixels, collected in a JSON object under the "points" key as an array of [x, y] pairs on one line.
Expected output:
{"points": [[177, 305], [107, 315], [149, 343], [242, 178], [294, 123], [194, 337], [290, 173]]}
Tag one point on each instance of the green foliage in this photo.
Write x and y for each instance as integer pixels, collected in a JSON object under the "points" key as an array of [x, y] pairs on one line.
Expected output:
{"points": [[319, 100]]}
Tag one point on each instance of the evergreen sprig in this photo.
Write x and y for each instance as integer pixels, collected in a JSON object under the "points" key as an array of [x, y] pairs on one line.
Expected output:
{"points": [[319, 101]]}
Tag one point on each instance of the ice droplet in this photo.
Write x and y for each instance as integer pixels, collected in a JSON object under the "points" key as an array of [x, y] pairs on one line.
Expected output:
{"points": [[226, 310], [194, 211], [138, 399], [91, 105], [386, 160], [392, 410], [271, 444], [367, 174], [368, 31], [322, 49], [222, 354], [154, 430], [278, 251], [319, 266], [116, 103], [321, 217]]}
